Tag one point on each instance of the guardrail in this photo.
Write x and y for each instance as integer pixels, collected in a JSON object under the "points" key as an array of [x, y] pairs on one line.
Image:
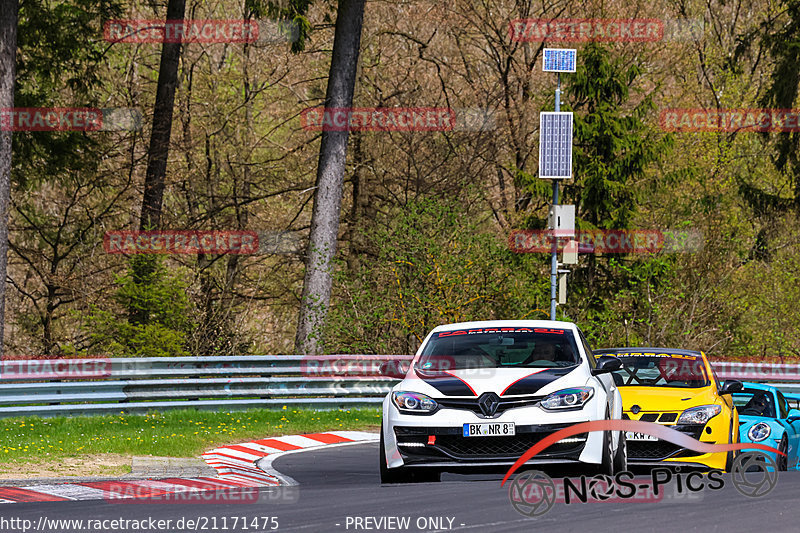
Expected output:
{"points": [[67, 387]]}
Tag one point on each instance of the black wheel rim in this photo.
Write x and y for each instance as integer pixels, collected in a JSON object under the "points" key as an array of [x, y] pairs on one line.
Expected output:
{"points": [[783, 459]]}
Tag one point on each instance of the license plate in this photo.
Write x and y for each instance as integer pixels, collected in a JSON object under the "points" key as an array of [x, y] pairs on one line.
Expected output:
{"points": [[489, 429], [632, 435]]}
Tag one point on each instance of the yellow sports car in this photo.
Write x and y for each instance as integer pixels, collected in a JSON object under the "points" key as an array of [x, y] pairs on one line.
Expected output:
{"points": [[677, 388]]}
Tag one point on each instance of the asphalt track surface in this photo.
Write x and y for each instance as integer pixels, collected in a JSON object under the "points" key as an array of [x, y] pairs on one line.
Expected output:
{"points": [[340, 484]]}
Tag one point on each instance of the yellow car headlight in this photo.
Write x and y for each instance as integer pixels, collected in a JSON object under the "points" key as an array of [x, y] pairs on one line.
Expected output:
{"points": [[699, 415]]}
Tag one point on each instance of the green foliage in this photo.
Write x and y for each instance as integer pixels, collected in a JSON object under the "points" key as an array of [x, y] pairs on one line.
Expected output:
{"points": [[766, 293], [293, 12], [155, 319], [613, 144], [630, 313], [784, 44], [614, 148], [58, 47], [434, 264]]}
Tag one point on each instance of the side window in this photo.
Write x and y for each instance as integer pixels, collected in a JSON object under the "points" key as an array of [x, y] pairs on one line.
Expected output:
{"points": [[588, 349], [783, 406]]}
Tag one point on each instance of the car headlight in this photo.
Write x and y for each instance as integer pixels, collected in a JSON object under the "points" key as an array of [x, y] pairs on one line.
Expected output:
{"points": [[759, 432], [414, 403], [699, 415], [574, 398]]}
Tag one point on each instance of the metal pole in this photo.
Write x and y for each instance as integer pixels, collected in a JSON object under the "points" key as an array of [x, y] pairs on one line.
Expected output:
{"points": [[554, 253]]}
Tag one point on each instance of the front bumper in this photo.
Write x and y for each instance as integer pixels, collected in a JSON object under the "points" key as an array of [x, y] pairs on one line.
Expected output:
{"points": [[648, 453], [447, 445], [437, 439]]}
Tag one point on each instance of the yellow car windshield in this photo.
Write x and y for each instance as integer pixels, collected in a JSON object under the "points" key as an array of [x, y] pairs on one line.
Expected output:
{"points": [[661, 371]]}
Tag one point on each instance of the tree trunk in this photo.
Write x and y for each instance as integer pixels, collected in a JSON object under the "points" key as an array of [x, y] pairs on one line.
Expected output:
{"points": [[153, 196], [9, 10], [330, 178]]}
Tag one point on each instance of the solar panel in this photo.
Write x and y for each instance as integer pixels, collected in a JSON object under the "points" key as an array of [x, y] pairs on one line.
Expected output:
{"points": [[555, 145], [559, 60]]}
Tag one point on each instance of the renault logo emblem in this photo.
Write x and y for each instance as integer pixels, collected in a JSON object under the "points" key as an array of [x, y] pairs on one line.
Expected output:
{"points": [[489, 402], [635, 409]]}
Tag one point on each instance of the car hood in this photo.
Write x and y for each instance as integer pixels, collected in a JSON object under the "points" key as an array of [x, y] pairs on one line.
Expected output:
{"points": [[662, 399], [501, 381]]}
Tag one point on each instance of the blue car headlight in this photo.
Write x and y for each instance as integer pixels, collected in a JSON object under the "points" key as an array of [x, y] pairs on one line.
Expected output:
{"points": [[574, 398], [414, 403], [759, 432]]}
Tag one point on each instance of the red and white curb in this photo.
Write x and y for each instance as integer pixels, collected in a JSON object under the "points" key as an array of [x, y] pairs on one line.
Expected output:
{"points": [[237, 466], [243, 462]]}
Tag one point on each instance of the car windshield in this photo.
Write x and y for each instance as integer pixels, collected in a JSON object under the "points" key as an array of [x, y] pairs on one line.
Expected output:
{"points": [[661, 370], [500, 348], [754, 402]]}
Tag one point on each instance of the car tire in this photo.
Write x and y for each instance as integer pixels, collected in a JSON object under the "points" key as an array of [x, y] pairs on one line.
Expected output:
{"points": [[606, 467], [403, 475], [783, 460], [621, 456]]}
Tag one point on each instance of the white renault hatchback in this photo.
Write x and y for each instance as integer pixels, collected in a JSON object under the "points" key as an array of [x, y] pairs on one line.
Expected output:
{"points": [[482, 393]]}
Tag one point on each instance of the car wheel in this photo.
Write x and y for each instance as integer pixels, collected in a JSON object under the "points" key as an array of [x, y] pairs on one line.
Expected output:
{"points": [[403, 475], [606, 467], [783, 460], [621, 457]]}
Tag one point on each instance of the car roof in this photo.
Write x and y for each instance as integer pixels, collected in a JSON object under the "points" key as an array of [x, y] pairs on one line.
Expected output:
{"points": [[508, 324], [759, 386], [640, 349]]}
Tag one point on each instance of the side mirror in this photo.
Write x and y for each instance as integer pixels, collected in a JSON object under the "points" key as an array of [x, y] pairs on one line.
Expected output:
{"points": [[794, 416], [392, 369], [606, 364], [729, 386]]}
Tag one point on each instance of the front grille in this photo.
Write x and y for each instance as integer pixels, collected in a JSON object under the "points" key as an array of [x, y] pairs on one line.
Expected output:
{"points": [[652, 417], [471, 404], [500, 447], [661, 449], [657, 450]]}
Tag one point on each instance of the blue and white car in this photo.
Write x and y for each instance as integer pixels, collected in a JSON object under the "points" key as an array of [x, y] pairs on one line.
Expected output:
{"points": [[765, 417], [482, 393]]}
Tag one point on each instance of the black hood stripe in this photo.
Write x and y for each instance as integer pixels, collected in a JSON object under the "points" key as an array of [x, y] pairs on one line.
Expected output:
{"points": [[451, 385], [446, 383], [532, 383]]}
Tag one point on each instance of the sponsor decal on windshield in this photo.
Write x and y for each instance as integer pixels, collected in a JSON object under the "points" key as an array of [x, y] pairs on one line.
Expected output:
{"points": [[453, 333], [652, 354]]}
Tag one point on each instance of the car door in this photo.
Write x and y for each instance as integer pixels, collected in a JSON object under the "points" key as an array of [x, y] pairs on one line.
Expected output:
{"points": [[794, 433]]}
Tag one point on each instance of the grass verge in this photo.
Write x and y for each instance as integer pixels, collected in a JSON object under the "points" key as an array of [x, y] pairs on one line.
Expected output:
{"points": [[170, 434]]}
